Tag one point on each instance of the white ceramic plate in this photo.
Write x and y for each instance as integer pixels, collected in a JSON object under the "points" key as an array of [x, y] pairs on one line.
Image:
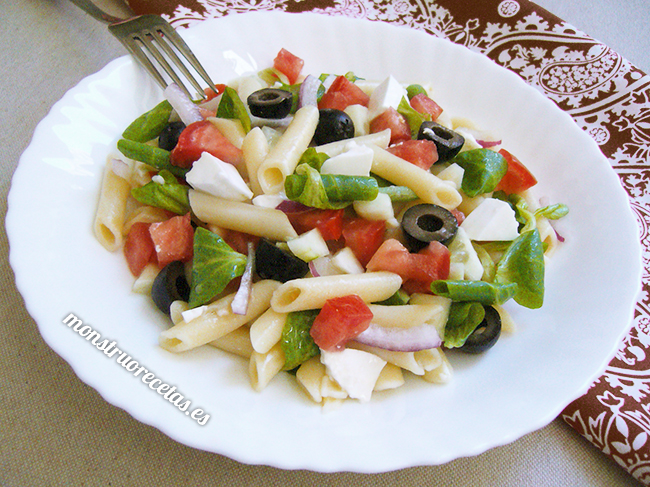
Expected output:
{"points": [[519, 386]]}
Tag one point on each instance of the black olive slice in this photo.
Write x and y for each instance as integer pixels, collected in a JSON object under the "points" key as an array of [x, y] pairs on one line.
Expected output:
{"points": [[170, 285], [333, 125], [425, 223], [168, 138], [274, 263], [270, 103], [447, 141], [486, 334]]}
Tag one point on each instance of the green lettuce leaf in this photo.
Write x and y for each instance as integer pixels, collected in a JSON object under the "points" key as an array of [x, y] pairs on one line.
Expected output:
{"points": [[149, 125], [484, 168], [171, 195], [523, 264], [463, 319], [313, 158], [232, 107], [153, 156], [477, 291], [553, 212], [215, 264], [412, 116], [296, 342]]}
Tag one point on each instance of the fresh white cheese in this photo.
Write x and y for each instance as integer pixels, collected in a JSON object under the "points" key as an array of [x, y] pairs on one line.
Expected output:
{"points": [[381, 208], [493, 219], [388, 94], [464, 259], [346, 262], [309, 246], [193, 313], [211, 175], [268, 200], [356, 160], [355, 371]]}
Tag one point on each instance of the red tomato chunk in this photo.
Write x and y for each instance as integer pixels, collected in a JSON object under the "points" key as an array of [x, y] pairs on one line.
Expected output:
{"points": [[328, 222], [173, 239], [518, 178], [393, 120], [343, 93], [138, 248], [419, 270], [423, 104], [289, 65], [422, 153], [340, 320], [200, 137], [363, 237]]}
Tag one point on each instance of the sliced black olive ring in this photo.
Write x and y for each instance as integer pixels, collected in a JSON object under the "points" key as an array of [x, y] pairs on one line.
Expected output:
{"points": [[486, 334], [425, 223], [270, 103], [170, 285], [333, 125], [168, 138], [448, 142], [277, 264]]}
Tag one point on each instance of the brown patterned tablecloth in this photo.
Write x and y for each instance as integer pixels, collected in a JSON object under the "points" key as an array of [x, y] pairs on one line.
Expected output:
{"points": [[605, 94]]}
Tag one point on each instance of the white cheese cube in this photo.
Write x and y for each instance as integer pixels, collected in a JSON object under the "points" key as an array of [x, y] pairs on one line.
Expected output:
{"points": [[462, 253], [356, 160], [381, 208], [388, 94], [355, 371], [211, 175], [493, 219], [359, 116], [309, 246], [346, 262]]}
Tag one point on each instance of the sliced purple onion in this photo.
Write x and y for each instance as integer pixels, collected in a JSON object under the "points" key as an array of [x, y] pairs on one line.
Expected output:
{"points": [[121, 168], [322, 266], [242, 297], [308, 93], [488, 143], [413, 339], [290, 206], [187, 110]]}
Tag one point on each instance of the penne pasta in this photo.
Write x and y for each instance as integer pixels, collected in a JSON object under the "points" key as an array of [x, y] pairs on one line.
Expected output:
{"points": [[283, 157], [313, 292], [255, 148], [144, 282], [217, 320], [380, 139], [428, 187], [266, 330], [407, 316], [264, 366], [243, 217], [144, 214], [310, 376], [111, 209], [237, 342]]}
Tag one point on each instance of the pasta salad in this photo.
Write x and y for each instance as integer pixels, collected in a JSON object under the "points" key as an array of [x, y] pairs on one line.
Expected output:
{"points": [[343, 230]]}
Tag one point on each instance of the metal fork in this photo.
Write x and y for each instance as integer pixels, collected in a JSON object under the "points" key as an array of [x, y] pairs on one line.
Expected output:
{"points": [[155, 45]]}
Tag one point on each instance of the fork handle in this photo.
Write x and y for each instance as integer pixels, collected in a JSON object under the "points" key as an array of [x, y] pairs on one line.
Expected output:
{"points": [[93, 10]]}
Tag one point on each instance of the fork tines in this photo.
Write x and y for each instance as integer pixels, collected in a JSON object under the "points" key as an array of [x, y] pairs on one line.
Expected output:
{"points": [[154, 43]]}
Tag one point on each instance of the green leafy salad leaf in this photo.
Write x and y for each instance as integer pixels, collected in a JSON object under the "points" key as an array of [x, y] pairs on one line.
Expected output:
{"points": [[153, 156], [523, 264], [149, 125], [553, 212], [169, 195], [296, 342], [232, 107], [484, 168], [463, 319], [215, 264], [478, 291]]}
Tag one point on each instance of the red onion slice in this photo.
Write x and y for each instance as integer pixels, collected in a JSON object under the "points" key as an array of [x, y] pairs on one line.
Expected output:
{"points": [[240, 302], [413, 339], [290, 206], [308, 93], [488, 143], [187, 110], [121, 168]]}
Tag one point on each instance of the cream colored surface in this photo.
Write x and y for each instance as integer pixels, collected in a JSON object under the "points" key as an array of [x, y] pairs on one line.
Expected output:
{"points": [[55, 430]]}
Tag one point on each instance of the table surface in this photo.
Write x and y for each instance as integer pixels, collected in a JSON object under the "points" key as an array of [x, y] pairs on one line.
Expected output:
{"points": [[58, 431]]}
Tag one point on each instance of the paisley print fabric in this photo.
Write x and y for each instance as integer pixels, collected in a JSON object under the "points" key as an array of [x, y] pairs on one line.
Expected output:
{"points": [[604, 93]]}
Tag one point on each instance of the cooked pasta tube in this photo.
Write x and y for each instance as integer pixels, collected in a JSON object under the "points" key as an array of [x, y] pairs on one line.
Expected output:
{"points": [[441, 374], [416, 362], [111, 209], [144, 214], [285, 154], [428, 187], [313, 292], [380, 139], [264, 366], [237, 342], [407, 316], [243, 217], [266, 330], [255, 148], [310, 376], [217, 320]]}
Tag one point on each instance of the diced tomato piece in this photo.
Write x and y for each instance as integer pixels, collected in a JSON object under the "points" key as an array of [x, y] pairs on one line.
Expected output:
{"points": [[214, 92], [518, 178], [393, 120], [239, 241], [200, 137], [460, 216], [340, 320], [289, 65], [328, 222], [422, 153], [343, 93], [138, 248], [423, 104], [173, 239], [419, 270], [363, 237]]}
